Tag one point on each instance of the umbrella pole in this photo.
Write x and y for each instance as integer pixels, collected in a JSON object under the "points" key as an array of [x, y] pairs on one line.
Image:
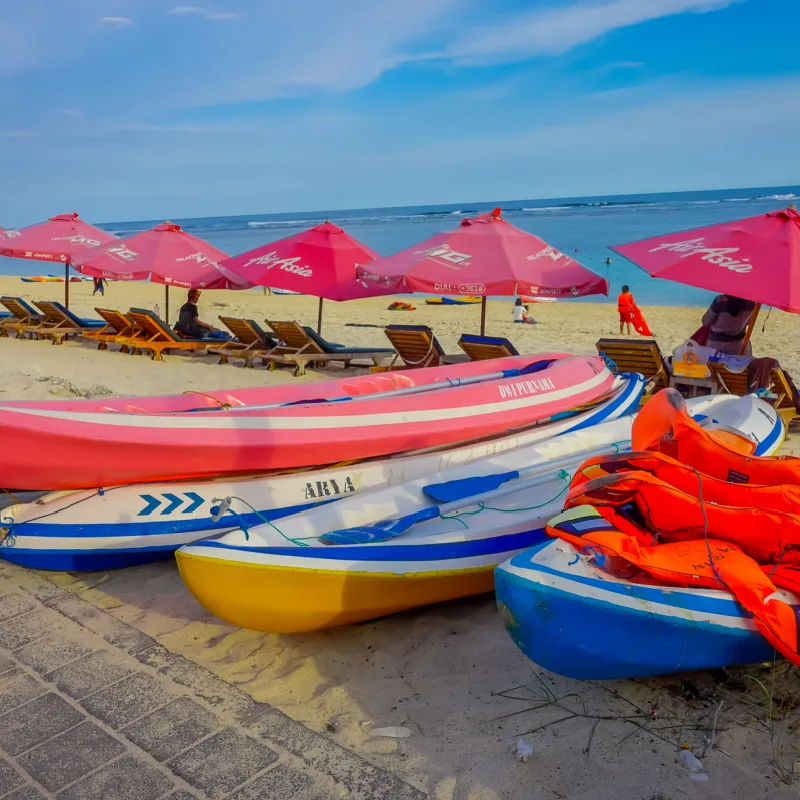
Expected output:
{"points": [[750, 326], [166, 303], [66, 285], [483, 316], [319, 318]]}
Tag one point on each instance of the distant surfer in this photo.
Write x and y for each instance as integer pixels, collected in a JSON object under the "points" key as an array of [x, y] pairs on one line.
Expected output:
{"points": [[608, 261]]}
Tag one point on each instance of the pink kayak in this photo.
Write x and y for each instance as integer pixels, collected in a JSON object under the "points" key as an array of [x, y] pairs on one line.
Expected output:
{"points": [[77, 445]]}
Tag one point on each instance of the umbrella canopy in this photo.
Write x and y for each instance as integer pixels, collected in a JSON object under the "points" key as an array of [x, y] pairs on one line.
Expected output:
{"points": [[57, 239], [485, 256], [320, 261], [756, 258], [164, 254]]}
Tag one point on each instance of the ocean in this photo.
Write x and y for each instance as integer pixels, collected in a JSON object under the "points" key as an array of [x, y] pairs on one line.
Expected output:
{"points": [[580, 226]]}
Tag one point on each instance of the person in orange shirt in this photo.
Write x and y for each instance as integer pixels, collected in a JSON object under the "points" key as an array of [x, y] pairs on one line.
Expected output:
{"points": [[626, 306]]}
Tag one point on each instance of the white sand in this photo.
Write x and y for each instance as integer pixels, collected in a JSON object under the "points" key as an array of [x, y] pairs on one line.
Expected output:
{"points": [[433, 670]]}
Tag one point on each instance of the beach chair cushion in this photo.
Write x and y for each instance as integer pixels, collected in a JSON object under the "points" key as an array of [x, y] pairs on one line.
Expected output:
{"points": [[340, 349], [19, 307], [60, 313], [479, 348]]}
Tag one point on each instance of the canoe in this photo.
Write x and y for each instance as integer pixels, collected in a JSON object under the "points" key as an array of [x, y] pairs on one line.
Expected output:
{"points": [[572, 618], [57, 447], [452, 301], [127, 525], [285, 577]]}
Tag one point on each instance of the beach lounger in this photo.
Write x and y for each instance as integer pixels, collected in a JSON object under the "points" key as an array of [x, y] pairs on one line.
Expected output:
{"points": [[417, 346], [737, 383], [638, 355], [119, 329], [154, 335], [301, 345], [482, 348], [250, 341], [59, 322], [22, 316]]}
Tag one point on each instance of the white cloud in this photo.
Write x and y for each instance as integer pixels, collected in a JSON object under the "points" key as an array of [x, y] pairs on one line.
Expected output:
{"points": [[186, 11], [557, 30], [116, 22]]}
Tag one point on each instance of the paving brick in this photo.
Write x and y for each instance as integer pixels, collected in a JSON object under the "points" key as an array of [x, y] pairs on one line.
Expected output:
{"points": [[21, 630], [114, 631], [280, 783], [127, 778], [9, 778], [13, 604], [176, 727], [220, 764], [361, 779], [36, 722], [70, 756], [26, 793], [90, 674], [131, 698], [46, 655], [16, 688], [6, 662]]}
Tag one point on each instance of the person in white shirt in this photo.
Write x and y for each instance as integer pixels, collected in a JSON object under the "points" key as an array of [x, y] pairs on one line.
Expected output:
{"points": [[519, 311]]}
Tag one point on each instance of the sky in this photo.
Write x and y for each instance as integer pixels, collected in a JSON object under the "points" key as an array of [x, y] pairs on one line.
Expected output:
{"points": [[144, 109]]}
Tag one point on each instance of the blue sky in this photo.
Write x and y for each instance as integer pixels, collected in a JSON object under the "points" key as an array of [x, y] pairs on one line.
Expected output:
{"points": [[143, 109]]}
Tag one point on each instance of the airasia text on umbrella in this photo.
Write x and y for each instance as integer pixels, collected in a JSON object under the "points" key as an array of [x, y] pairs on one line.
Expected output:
{"points": [[714, 255], [292, 265]]}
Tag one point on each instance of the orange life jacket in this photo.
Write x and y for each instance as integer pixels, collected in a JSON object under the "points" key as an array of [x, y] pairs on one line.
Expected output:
{"points": [[690, 481], [665, 425], [699, 563], [653, 511]]}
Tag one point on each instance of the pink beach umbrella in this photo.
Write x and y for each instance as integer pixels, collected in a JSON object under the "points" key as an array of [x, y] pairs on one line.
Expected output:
{"points": [[164, 254], [484, 256], [320, 261], [56, 240], [756, 258]]}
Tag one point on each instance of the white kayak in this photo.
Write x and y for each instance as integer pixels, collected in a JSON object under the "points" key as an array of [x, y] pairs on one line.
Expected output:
{"points": [[98, 529]]}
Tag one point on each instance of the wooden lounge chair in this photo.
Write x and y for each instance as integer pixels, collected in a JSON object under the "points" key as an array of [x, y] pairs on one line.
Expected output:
{"points": [[736, 383], [417, 346], [301, 345], [23, 316], [481, 348], [154, 335], [638, 355], [250, 341], [59, 322], [119, 329]]}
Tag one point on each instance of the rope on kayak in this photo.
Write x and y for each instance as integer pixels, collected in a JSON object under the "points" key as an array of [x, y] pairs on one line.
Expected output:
{"points": [[16, 502], [246, 529], [222, 405]]}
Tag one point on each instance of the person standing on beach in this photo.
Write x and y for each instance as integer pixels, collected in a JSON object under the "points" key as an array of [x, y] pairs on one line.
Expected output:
{"points": [[625, 306], [727, 319], [99, 286]]}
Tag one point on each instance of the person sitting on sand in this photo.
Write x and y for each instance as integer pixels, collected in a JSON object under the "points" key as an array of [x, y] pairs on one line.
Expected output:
{"points": [[519, 311], [626, 306], [727, 319], [189, 322]]}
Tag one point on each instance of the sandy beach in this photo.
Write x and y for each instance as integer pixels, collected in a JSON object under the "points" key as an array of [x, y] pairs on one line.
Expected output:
{"points": [[449, 673]]}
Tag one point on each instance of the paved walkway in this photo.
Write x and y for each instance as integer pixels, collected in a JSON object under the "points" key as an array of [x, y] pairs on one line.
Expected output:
{"points": [[93, 709]]}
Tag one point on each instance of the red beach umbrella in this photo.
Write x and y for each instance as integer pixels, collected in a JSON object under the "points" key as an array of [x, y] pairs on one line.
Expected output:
{"points": [[164, 254], [320, 261], [57, 239], [484, 256], [756, 258]]}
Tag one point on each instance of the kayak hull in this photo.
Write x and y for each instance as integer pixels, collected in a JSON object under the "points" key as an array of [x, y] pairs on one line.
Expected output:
{"points": [[61, 448], [575, 620]]}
